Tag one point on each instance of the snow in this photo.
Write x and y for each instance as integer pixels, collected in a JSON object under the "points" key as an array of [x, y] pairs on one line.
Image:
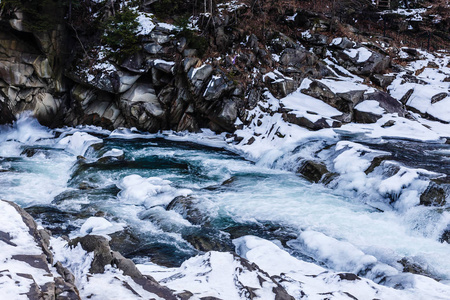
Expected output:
{"points": [[167, 26], [299, 277], [342, 86], [370, 106], [164, 62], [111, 284], [362, 54], [306, 106], [146, 24], [214, 274], [22, 244]]}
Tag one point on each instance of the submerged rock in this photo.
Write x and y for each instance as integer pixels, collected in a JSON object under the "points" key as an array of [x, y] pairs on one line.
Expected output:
{"points": [[434, 195], [313, 170]]}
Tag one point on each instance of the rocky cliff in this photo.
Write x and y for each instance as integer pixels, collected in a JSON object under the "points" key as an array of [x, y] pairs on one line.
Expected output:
{"points": [[206, 73]]}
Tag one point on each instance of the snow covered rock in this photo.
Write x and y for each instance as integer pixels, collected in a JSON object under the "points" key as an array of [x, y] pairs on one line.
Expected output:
{"points": [[219, 275], [99, 270], [26, 261]]}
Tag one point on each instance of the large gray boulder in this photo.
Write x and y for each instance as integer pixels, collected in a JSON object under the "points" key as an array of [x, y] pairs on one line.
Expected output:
{"points": [[141, 108], [198, 78]]}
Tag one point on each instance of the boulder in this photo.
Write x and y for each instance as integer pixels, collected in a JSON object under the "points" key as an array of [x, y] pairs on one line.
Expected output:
{"points": [[198, 77], [382, 80], [434, 195], [293, 57], [216, 87], [365, 117], [342, 43], [307, 123], [141, 108], [224, 114], [6, 116], [388, 103], [313, 170]]}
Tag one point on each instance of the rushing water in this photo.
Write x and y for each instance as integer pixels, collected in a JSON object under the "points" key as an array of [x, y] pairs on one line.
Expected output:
{"points": [[221, 196]]}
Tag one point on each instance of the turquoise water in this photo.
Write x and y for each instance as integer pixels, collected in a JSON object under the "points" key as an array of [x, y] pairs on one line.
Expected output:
{"points": [[221, 196]]}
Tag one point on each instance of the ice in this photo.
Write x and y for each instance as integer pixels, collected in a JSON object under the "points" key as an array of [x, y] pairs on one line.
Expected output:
{"points": [[25, 130], [79, 142], [148, 191], [99, 226], [113, 153]]}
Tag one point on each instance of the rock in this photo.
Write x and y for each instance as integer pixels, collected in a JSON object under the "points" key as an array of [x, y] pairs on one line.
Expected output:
{"points": [[189, 123], [409, 78], [406, 97], [224, 114], [438, 97], [94, 107], [313, 170], [115, 82], [137, 63], [198, 77], [216, 87], [307, 123], [208, 239], [190, 62], [388, 103], [159, 37], [186, 206], [167, 67], [6, 116], [410, 266], [153, 48], [279, 85], [316, 39], [365, 117], [353, 97], [293, 57], [434, 195], [382, 80], [445, 237], [319, 90], [141, 107], [342, 43], [352, 60]]}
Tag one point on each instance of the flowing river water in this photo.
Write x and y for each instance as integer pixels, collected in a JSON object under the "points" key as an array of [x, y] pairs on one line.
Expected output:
{"points": [[132, 182]]}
